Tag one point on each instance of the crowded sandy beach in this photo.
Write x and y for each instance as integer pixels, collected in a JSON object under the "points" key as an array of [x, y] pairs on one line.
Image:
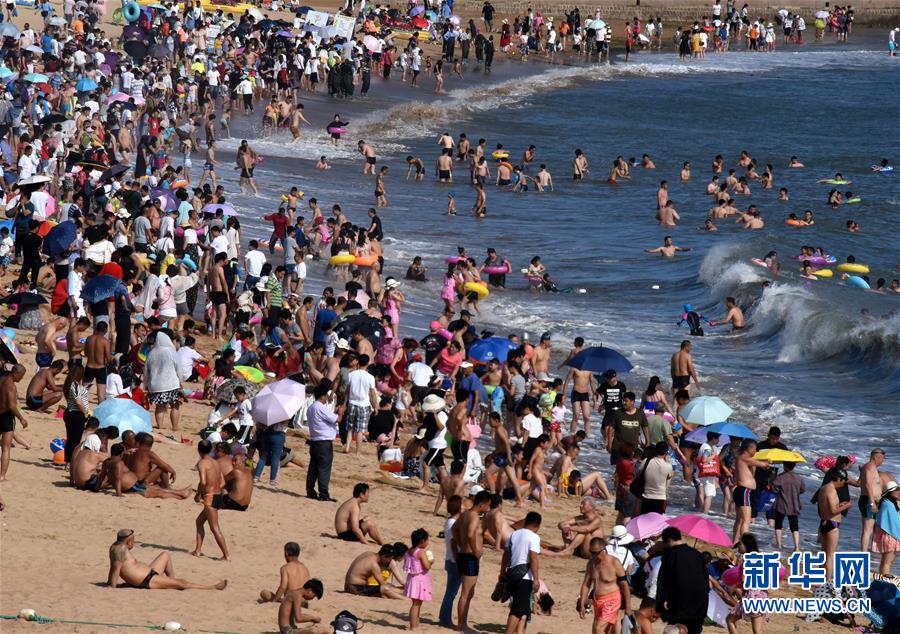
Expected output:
{"points": [[270, 268]]}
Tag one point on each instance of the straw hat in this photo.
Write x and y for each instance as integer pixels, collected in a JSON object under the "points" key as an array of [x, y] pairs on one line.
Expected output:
{"points": [[433, 403]]}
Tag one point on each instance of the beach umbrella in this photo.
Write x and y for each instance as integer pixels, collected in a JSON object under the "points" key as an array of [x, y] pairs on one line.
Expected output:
{"points": [[779, 456], [371, 42], [822, 15], [225, 392], [701, 529], [595, 24], [124, 414], [31, 48], [647, 525], [36, 78], [705, 410], [34, 180], [59, 239], [112, 269], [416, 10], [45, 227], [278, 402], [485, 350], [52, 119], [8, 29], [23, 300], [57, 21], [454, 20], [227, 210], [370, 327], [112, 172], [165, 197], [136, 49], [6, 72], [160, 51], [732, 429], [284, 33], [8, 350], [826, 463], [885, 597], [699, 436], [86, 84], [123, 97], [99, 288], [601, 359]]}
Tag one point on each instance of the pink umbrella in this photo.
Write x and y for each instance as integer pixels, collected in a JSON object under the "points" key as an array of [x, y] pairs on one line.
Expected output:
{"points": [[124, 97], [647, 525], [701, 528]]}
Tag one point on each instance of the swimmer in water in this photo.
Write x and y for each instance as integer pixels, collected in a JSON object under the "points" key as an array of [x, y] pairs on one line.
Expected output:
{"points": [[543, 181], [884, 166], [709, 226], [783, 195], [451, 204], [417, 164], [580, 166], [795, 162], [667, 215], [647, 163], [693, 318], [838, 178], [686, 172], [667, 250], [323, 164], [852, 226], [735, 316]]}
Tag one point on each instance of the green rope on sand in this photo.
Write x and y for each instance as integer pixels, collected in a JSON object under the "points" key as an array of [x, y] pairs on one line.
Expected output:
{"points": [[46, 621]]}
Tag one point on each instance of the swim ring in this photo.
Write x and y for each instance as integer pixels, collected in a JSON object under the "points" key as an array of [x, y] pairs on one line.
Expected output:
{"points": [[853, 201], [793, 223], [500, 154], [337, 130], [476, 287], [497, 269], [341, 258], [831, 181], [254, 375], [852, 267], [816, 259], [759, 262], [507, 165], [455, 259], [823, 273], [858, 282], [131, 11], [365, 260]]}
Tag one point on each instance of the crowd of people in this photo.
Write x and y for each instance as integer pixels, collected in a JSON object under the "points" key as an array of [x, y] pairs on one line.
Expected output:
{"points": [[155, 297]]}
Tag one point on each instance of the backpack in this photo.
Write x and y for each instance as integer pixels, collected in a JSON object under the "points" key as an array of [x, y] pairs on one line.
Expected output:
{"points": [[637, 485]]}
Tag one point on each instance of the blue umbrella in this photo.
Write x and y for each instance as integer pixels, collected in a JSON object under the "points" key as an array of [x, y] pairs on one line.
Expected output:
{"points": [[59, 239], [706, 410], [485, 350], [8, 29], [100, 288], [124, 414], [6, 72], [885, 597], [36, 78], [730, 429], [600, 359], [86, 84]]}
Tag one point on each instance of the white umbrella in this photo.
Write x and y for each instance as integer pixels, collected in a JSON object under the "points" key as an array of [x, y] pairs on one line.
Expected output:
{"points": [[279, 402], [822, 15], [371, 43], [34, 180], [57, 21], [34, 49]]}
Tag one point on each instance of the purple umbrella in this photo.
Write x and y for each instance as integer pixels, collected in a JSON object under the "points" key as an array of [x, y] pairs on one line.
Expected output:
{"points": [[165, 197], [416, 10], [279, 402]]}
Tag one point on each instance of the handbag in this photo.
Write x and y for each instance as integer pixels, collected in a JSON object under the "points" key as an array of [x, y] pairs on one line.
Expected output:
{"points": [[707, 468], [637, 485]]}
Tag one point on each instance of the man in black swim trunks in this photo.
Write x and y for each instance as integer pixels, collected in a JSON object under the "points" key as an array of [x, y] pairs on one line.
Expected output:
{"points": [[349, 522], [369, 566], [158, 575], [239, 483], [468, 544], [9, 412], [369, 153], [830, 509]]}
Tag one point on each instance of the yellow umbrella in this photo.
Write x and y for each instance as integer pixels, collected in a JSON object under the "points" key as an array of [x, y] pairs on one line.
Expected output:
{"points": [[779, 455]]}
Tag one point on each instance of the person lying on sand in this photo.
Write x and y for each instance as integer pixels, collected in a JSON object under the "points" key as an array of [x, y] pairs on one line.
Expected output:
{"points": [[159, 575]]}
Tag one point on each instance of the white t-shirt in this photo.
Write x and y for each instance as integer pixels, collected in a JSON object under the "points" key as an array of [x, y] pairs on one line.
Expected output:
{"points": [[186, 358], [448, 539], [521, 543], [255, 260], [532, 424], [220, 245], [244, 409], [114, 386], [360, 385], [421, 373], [440, 438], [92, 443]]}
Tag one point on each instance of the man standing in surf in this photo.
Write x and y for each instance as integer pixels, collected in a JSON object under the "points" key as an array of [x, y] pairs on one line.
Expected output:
{"points": [[369, 153], [683, 369]]}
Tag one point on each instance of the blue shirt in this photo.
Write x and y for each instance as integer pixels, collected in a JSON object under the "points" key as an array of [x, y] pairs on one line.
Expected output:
{"points": [[324, 316], [473, 384]]}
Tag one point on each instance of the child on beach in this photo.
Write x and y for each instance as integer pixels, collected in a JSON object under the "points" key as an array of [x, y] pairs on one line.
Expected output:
{"points": [[294, 589], [557, 418], [416, 563]]}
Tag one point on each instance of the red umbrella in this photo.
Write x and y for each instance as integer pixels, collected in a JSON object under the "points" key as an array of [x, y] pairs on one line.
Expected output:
{"points": [[45, 228], [113, 269]]}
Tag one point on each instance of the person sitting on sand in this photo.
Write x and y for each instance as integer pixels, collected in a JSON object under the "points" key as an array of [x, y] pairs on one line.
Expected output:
{"points": [[239, 485], [116, 475], [350, 525], [159, 575], [84, 471], [578, 531], [43, 392], [367, 568], [294, 588], [146, 465], [498, 527]]}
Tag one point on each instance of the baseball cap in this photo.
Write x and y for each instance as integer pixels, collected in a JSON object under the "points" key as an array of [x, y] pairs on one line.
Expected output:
{"points": [[476, 489], [466, 364], [545, 336]]}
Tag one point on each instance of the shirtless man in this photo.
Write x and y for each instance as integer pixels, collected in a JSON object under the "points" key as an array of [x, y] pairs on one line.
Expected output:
{"points": [[219, 296], [209, 165], [497, 527], [502, 458], [745, 486], [735, 316], [543, 179], [451, 485], [295, 587], [540, 359], [159, 575], [223, 460], [662, 195], [457, 422], [84, 471], [667, 215], [9, 412], [146, 465], [297, 118], [126, 142], [667, 250], [417, 164], [43, 392], [583, 397], [830, 509], [46, 341], [580, 166], [606, 577], [115, 474], [212, 481], [349, 523], [504, 176], [239, 484], [368, 153], [871, 487], [578, 531], [468, 544], [682, 369], [536, 474], [98, 354], [73, 337], [444, 167], [479, 209], [369, 566]]}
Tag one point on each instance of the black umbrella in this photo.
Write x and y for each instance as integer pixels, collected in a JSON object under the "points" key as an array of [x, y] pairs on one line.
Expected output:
{"points": [[24, 299], [160, 51], [112, 172], [136, 49], [225, 392], [370, 327], [52, 119]]}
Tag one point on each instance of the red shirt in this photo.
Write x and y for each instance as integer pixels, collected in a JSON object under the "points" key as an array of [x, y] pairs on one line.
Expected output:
{"points": [[625, 472], [280, 223]]}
